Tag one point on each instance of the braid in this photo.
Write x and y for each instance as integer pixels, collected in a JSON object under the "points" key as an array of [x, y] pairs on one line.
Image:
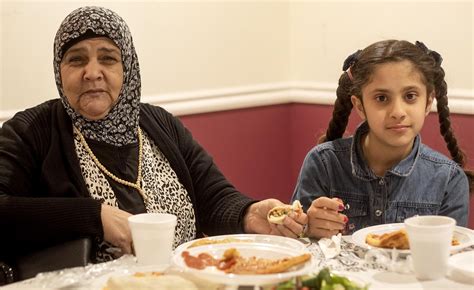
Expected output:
{"points": [[446, 131], [444, 119], [341, 112]]}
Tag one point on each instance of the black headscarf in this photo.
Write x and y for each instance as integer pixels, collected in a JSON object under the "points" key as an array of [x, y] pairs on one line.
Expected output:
{"points": [[120, 125]]}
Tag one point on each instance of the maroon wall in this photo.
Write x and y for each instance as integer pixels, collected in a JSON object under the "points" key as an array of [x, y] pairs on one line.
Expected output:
{"points": [[260, 150], [250, 146]]}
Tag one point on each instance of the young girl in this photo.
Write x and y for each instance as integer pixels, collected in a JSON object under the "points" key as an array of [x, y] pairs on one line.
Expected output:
{"points": [[384, 173]]}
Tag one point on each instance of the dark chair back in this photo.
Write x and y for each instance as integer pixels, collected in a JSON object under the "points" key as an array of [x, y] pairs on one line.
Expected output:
{"points": [[66, 255]]}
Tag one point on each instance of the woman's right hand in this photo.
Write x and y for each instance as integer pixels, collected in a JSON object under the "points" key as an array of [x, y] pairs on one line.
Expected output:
{"points": [[116, 228], [324, 217]]}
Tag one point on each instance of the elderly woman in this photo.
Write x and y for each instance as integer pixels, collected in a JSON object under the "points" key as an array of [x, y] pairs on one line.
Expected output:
{"points": [[80, 165]]}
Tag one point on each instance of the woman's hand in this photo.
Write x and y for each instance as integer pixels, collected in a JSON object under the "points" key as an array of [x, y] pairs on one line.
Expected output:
{"points": [[255, 220], [324, 219], [116, 228]]}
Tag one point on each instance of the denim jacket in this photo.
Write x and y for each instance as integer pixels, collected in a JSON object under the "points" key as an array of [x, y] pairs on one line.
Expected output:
{"points": [[424, 183]]}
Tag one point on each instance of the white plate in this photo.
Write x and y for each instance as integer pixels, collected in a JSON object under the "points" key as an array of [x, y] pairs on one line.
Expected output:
{"points": [[463, 263], [100, 282], [260, 246], [465, 236], [248, 238]]}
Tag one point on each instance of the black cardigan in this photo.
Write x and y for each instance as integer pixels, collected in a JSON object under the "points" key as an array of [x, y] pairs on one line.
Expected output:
{"points": [[43, 196]]}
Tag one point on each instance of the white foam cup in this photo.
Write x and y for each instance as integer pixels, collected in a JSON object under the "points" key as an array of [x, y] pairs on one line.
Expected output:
{"points": [[153, 235], [430, 243]]}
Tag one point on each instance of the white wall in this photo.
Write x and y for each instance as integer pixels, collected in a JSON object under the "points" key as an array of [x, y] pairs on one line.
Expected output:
{"points": [[324, 33], [194, 46], [182, 46]]}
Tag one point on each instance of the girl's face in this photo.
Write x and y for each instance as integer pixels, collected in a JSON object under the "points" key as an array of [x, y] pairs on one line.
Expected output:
{"points": [[92, 76], [395, 103]]}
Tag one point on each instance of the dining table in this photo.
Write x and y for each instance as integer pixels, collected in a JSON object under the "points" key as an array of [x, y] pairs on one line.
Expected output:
{"points": [[379, 269]]}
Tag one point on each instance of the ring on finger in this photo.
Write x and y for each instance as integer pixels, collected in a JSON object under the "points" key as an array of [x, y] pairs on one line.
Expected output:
{"points": [[303, 233]]}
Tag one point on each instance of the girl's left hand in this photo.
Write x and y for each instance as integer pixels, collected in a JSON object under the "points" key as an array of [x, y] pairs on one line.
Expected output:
{"points": [[255, 220]]}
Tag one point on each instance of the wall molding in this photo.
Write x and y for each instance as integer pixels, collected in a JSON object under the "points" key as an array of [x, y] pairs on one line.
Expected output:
{"points": [[461, 101]]}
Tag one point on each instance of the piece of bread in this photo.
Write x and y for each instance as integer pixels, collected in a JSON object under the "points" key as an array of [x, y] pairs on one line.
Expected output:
{"points": [[148, 281], [396, 239], [253, 265], [233, 263], [277, 214]]}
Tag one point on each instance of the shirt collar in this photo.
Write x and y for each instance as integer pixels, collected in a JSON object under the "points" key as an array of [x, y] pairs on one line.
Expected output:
{"points": [[360, 167]]}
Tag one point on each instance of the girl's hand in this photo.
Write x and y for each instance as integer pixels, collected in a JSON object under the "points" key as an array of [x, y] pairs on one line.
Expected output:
{"points": [[116, 228], [324, 219], [255, 220]]}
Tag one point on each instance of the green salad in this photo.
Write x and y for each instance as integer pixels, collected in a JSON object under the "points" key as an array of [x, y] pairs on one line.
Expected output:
{"points": [[324, 280]]}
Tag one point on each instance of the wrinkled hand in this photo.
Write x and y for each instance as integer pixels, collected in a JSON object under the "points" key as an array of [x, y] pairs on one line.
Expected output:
{"points": [[116, 228], [255, 220], [324, 217]]}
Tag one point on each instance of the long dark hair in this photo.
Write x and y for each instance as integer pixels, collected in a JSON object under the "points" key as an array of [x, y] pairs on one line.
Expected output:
{"points": [[359, 67]]}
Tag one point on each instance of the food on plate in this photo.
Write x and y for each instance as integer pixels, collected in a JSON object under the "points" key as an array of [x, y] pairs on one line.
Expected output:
{"points": [[200, 261], [207, 241], [324, 280], [396, 239], [278, 213], [455, 242], [233, 262], [149, 280]]}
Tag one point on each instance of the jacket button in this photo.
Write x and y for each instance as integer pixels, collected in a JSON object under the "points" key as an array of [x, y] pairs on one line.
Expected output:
{"points": [[378, 212], [381, 182]]}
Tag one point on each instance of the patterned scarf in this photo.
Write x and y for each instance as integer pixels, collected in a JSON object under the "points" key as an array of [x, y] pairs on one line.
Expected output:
{"points": [[119, 126]]}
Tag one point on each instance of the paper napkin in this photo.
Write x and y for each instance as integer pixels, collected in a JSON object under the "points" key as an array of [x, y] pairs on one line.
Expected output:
{"points": [[331, 247]]}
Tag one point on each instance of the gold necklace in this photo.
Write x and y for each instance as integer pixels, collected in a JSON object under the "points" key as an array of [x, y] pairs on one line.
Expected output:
{"points": [[135, 185]]}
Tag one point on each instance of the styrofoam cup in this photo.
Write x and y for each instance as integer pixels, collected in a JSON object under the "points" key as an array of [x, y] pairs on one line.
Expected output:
{"points": [[153, 235], [430, 243]]}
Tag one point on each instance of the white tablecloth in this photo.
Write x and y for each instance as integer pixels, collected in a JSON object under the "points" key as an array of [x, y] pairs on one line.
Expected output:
{"points": [[380, 272], [385, 270], [379, 280]]}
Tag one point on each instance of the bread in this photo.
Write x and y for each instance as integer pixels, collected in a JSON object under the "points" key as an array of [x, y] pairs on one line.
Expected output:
{"points": [[396, 239], [148, 281], [277, 214]]}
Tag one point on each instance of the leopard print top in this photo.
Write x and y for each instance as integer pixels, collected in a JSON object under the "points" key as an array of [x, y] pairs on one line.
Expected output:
{"points": [[160, 183]]}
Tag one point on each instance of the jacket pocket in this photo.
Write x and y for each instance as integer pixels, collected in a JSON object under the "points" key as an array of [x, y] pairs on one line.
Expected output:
{"points": [[406, 209], [356, 209]]}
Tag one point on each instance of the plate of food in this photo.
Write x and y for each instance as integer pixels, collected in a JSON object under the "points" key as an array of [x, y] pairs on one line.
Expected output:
{"points": [[147, 280], [324, 279], [149, 277], [243, 238], [244, 259], [394, 236]]}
